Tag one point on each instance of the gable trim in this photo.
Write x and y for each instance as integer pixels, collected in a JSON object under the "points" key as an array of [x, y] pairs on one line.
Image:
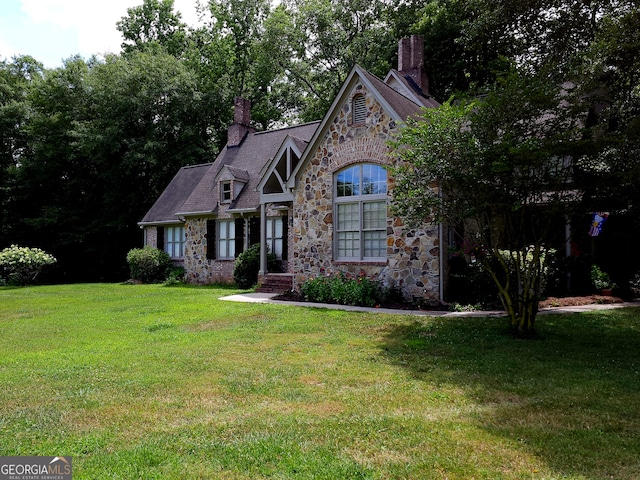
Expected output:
{"points": [[357, 74], [288, 145]]}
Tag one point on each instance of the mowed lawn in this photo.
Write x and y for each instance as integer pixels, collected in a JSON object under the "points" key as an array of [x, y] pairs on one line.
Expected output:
{"points": [[138, 381]]}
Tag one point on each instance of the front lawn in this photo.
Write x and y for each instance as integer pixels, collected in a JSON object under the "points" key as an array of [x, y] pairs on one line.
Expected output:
{"points": [[139, 381]]}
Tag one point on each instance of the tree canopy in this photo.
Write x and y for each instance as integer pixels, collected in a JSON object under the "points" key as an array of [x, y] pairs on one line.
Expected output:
{"points": [[544, 128], [86, 148]]}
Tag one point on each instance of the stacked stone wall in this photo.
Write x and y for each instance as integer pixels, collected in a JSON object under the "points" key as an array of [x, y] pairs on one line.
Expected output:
{"points": [[412, 255], [151, 236]]}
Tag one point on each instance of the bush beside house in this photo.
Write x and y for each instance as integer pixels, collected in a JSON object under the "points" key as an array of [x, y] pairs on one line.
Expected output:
{"points": [[149, 264], [22, 265]]}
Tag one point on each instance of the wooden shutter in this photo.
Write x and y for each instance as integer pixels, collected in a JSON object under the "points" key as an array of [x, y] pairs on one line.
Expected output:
{"points": [[211, 239], [285, 237], [160, 238], [239, 236], [254, 230]]}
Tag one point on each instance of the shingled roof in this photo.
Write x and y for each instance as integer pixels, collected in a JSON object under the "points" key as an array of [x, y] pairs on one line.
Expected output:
{"points": [[191, 192], [173, 197]]}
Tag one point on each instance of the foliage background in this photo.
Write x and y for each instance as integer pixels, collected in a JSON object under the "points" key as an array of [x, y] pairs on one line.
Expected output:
{"points": [[86, 148]]}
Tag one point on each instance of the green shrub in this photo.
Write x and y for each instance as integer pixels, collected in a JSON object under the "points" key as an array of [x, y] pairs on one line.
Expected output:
{"points": [[21, 265], [175, 276], [149, 264], [343, 289], [601, 279], [247, 266]]}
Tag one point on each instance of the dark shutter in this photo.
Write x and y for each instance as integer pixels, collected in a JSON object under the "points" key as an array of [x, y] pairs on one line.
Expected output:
{"points": [[211, 239], [239, 236], [254, 230], [285, 238], [160, 238]]}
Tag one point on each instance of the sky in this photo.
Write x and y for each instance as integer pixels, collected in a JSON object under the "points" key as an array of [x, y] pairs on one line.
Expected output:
{"points": [[54, 30]]}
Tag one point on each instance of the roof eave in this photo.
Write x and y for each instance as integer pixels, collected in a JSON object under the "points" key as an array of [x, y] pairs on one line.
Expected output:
{"points": [[338, 100]]}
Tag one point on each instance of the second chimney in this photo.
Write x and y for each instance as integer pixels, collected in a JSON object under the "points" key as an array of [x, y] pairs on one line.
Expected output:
{"points": [[411, 61], [241, 120]]}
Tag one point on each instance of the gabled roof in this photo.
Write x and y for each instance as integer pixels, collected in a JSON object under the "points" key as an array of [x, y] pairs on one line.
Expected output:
{"points": [[396, 105], [171, 200], [407, 87], [245, 162], [233, 173], [297, 146]]}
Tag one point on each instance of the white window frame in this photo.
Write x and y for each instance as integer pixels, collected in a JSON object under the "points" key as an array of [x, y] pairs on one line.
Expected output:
{"points": [[226, 239], [226, 192], [275, 236], [174, 240], [359, 201]]}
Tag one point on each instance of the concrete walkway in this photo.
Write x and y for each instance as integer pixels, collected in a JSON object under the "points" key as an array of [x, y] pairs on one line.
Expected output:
{"points": [[268, 298]]}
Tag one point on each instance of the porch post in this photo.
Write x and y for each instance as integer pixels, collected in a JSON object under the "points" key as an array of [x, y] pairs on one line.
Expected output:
{"points": [[263, 239]]}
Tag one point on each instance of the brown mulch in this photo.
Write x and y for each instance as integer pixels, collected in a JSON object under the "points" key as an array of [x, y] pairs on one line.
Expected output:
{"points": [[549, 302], [575, 301]]}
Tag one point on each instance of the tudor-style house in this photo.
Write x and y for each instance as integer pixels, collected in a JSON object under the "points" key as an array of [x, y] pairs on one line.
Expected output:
{"points": [[316, 195]]}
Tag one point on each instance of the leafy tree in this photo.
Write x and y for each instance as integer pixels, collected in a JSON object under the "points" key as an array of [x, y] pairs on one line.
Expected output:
{"points": [[52, 193], [153, 23], [16, 78], [500, 170], [317, 42], [147, 119], [104, 139]]}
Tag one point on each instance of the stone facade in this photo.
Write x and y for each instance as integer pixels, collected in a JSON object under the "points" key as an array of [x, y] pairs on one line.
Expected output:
{"points": [[412, 255]]}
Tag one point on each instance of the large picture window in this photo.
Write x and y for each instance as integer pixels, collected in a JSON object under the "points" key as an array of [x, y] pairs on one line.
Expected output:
{"points": [[174, 241], [361, 213]]}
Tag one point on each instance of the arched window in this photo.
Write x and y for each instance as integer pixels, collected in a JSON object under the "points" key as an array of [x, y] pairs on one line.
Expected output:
{"points": [[359, 108], [361, 213]]}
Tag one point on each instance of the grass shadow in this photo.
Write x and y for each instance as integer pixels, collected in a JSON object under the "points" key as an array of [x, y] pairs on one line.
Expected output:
{"points": [[571, 398]]}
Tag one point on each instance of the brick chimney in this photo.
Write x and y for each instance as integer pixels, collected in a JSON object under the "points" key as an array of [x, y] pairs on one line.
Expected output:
{"points": [[241, 120], [411, 61]]}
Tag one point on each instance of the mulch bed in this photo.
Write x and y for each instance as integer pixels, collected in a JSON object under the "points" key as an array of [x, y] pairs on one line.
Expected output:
{"points": [[549, 302], [575, 301]]}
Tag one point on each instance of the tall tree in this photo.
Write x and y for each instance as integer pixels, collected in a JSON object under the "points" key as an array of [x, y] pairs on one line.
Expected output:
{"points": [[16, 78], [152, 24], [51, 193], [317, 42], [500, 170], [148, 118]]}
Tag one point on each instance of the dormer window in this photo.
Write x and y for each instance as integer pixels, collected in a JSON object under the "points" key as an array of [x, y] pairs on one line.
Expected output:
{"points": [[359, 109], [225, 192]]}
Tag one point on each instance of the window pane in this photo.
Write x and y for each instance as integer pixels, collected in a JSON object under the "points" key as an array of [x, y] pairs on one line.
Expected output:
{"points": [[375, 244], [374, 215], [349, 244], [349, 216], [348, 182], [226, 240], [278, 228], [277, 248], [374, 180]]}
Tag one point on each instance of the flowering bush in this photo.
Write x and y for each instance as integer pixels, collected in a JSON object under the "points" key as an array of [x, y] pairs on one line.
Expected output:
{"points": [[21, 265], [343, 289]]}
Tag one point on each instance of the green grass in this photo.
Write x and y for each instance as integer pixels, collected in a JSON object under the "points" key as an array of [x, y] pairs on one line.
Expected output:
{"points": [[156, 382]]}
